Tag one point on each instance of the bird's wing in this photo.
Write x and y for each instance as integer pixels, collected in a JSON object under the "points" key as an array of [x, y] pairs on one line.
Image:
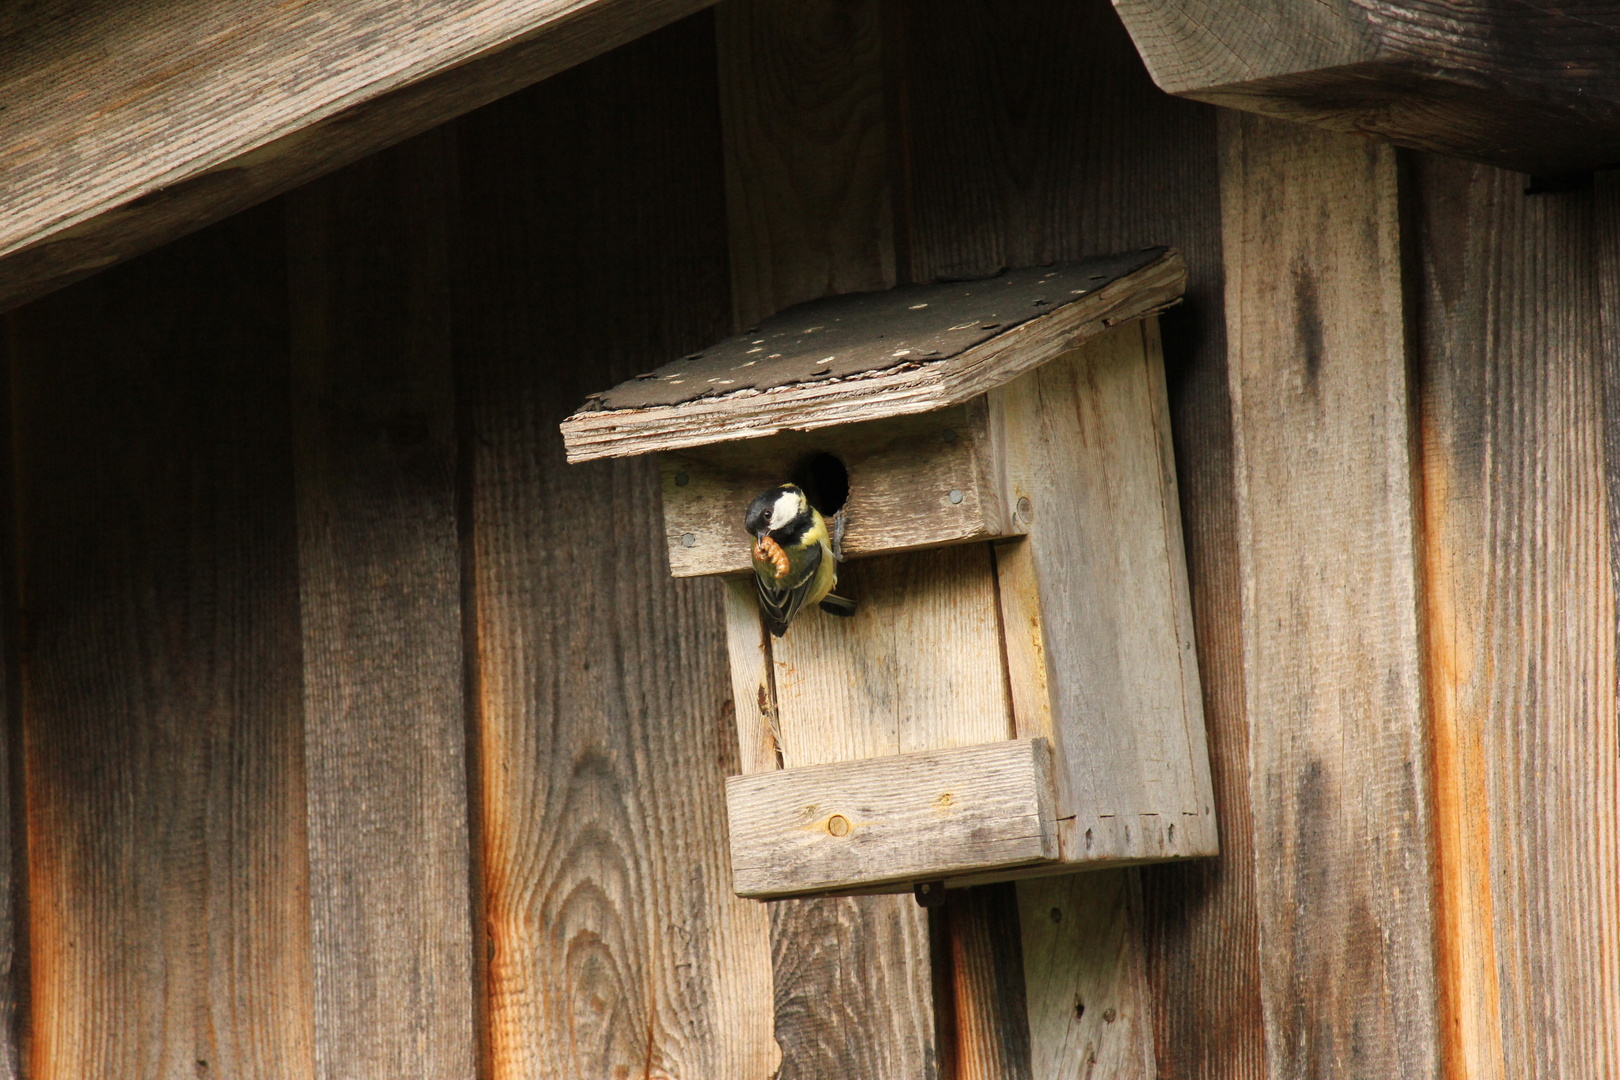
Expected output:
{"points": [[781, 604]]}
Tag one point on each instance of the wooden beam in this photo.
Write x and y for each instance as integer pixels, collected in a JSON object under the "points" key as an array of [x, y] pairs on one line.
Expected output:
{"points": [[1519, 344], [127, 127], [385, 733], [1534, 87], [1323, 418], [907, 817], [988, 1012], [15, 1004], [1034, 135]]}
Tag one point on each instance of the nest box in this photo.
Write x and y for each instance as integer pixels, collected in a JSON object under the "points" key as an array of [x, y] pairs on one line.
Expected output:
{"points": [[1018, 691]]}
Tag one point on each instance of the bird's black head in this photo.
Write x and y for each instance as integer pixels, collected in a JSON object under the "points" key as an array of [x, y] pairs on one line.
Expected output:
{"points": [[781, 510]]}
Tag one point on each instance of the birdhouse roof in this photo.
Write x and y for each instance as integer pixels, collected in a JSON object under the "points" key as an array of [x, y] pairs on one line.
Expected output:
{"points": [[862, 356]]}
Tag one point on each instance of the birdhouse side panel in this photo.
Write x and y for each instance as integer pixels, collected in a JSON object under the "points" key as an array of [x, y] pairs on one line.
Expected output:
{"points": [[1086, 452]]}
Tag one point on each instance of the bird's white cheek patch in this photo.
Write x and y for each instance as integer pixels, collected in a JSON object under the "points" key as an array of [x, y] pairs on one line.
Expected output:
{"points": [[785, 510]]}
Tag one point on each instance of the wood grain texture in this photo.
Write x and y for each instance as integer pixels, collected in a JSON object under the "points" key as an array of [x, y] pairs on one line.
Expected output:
{"points": [[1034, 133], [759, 739], [1085, 977], [903, 818], [176, 119], [918, 667], [914, 481], [1515, 330], [1524, 86], [801, 91], [1084, 440], [617, 948], [1339, 748], [989, 1016], [853, 975], [167, 845], [876, 383], [852, 989], [16, 1014], [374, 417]]}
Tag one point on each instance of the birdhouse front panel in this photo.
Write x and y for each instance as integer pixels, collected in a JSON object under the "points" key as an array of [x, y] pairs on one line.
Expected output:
{"points": [[902, 483], [1009, 685]]}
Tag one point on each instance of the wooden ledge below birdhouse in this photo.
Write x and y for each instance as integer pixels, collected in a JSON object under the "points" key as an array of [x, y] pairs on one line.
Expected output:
{"points": [[927, 816]]}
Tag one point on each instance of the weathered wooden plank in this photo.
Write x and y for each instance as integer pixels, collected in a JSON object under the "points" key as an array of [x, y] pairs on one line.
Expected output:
{"points": [[1515, 326], [601, 690], [753, 695], [801, 91], [865, 379], [1333, 666], [1035, 135], [895, 819], [913, 481], [853, 983], [1085, 977], [168, 876], [848, 999], [15, 1010], [1086, 451], [193, 115], [989, 1017], [1522, 86], [918, 667], [374, 417]]}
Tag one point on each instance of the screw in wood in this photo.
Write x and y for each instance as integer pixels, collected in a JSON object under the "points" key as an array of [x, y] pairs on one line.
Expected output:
{"points": [[1026, 509], [956, 496], [681, 479], [688, 540], [838, 825]]}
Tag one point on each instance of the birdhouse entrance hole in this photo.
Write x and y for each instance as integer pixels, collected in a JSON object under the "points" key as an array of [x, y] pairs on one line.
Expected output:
{"points": [[825, 481]]}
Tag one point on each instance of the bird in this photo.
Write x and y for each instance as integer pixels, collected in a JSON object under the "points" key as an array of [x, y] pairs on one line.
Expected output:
{"points": [[795, 557]]}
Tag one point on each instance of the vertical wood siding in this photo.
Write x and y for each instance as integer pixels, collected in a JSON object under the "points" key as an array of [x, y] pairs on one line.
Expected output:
{"points": [[356, 734], [163, 724], [1521, 620], [385, 741], [808, 196], [592, 243], [1327, 534]]}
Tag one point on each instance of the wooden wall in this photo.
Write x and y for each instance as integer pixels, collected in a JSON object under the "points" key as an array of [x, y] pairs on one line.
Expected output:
{"points": [[351, 733]]}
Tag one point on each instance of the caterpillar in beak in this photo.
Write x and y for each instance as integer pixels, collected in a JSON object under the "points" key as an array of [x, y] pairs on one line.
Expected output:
{"points": [[769, 551]]}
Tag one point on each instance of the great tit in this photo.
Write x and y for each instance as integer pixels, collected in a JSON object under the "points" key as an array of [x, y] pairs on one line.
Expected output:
{"points": [[794, 560]]}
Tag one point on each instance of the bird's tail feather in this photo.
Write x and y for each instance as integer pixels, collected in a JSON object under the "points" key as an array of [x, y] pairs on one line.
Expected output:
{"points": [[837, 605]]}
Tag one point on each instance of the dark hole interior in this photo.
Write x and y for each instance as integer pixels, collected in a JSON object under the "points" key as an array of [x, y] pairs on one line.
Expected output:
{"points": [[825, 482]]}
